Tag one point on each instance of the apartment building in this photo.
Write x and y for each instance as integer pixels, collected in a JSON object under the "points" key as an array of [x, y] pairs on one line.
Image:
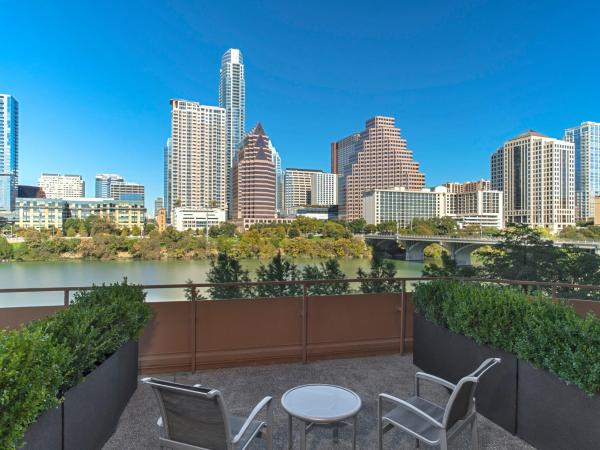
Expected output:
{"points": [[538, 180], [62, 186], [197, 157]]}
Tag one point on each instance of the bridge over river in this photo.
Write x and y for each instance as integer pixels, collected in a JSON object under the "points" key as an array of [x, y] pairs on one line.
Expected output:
{"points": [[459, 247]]}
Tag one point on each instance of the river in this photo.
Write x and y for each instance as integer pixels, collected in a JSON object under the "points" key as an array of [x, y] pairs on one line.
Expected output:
{"points": [[86, 273]]}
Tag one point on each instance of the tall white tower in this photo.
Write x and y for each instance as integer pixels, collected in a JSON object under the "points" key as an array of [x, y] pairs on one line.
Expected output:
{"points": [[232, 97]]}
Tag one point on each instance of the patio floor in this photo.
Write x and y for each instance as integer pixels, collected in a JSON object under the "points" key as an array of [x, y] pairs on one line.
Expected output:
{"points": [[244, 387]]}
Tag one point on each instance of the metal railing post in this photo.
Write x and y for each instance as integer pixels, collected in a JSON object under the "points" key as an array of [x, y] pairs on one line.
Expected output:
{"points": [[403, 318], [194, 327], [66, 297], [304, 323]]}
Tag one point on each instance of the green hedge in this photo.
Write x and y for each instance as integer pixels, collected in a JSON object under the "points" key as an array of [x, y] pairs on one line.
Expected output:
{"points": [[41, 361], [549, 334]]}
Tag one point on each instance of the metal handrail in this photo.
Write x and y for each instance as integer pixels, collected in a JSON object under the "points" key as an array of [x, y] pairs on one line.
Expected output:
{"points": [[316, 282]]}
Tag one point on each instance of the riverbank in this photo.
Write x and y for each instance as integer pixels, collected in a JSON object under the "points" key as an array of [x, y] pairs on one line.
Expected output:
{"points": [[173, 245]]}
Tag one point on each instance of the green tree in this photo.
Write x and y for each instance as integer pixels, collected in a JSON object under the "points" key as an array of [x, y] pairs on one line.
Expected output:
{"points": [[523, 254], [328, 270], [83, 232], [357, 226], [227, 269], [223, 229], [335, 230], [293, 232], [149, 227], [379, 269], [136, 231], [279, 269], [6, 249]]}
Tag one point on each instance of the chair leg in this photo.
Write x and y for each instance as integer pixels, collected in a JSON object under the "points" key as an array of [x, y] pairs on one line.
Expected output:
{"points": [[474, 434], [379, 433], [417, 443], [269, 437], [290, 440], [444, 444]]}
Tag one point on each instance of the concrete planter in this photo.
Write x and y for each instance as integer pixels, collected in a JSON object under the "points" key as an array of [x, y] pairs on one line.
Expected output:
{"points": [[555, 415], [46, 431], [90, 412], [451, 356]]}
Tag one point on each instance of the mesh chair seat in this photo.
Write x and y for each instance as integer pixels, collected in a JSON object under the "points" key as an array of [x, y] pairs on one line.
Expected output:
{"points": [[411, 422], [255, 428]]}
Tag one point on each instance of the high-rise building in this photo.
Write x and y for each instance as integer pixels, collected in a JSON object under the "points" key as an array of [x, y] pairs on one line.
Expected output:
{"points": [[324, 189], [9, 152], [586, 138], [297, 187], [254, 177], [197, 162], [103, 182], [167, 178], [126, 190], [232, 98], [304, 187], [497, 170], [62, 186], [376, 158], [279, 180], [158, 205], [538, 180]]}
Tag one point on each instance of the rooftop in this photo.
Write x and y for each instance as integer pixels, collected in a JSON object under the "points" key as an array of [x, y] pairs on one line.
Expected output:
{"points": [[243, 387]]}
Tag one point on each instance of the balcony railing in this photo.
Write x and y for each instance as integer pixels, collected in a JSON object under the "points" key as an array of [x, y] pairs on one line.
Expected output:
{"points": [[189, 332]]}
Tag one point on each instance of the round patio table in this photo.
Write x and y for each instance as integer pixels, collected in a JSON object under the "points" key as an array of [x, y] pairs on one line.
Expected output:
{"points": [[320, 404]]}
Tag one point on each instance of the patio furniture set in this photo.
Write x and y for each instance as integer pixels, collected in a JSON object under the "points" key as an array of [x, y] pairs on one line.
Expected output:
{"points": [[196, 417]]}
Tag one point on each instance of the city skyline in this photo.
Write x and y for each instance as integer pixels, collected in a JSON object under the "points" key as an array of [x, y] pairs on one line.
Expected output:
{"points": [[124, 113]]}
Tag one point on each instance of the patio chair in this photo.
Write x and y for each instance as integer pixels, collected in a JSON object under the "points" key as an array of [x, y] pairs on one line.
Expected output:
{"points": [[428, 422], [196, 418]]}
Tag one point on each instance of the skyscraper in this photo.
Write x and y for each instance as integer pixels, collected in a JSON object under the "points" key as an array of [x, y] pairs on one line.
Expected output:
{"points": [[278, 179], [9, 152], [376, 158], [232, 97], [167, 180], [103, 182], [253, 177], [538, 180], [586, 138], [197, 162]]}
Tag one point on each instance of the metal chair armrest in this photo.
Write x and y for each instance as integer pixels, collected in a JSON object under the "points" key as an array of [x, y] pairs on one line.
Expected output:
{"points": [[411, 408], [432, 379], [264, 402]]}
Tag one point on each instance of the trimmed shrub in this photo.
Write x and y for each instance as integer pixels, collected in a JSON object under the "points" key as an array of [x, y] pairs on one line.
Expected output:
{"points": [[41, 361], [549, 334], [31, 373]]}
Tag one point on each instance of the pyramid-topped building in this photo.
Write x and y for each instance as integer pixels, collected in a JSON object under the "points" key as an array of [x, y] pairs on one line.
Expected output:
{"points": [[253, 176]]}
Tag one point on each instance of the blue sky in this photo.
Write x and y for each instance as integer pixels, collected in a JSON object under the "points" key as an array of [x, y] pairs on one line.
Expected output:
{"points": [[94, 79]]}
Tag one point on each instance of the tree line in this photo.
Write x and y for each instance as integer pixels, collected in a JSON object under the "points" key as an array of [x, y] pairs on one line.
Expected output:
{"points": [[225, 268]]}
